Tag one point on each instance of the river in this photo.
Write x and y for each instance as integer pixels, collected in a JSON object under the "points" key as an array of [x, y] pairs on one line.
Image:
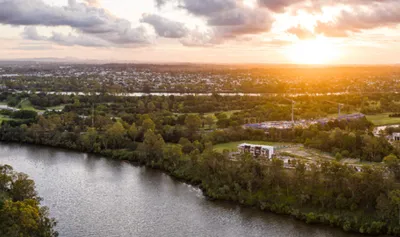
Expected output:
{"points": [[91, 196]]}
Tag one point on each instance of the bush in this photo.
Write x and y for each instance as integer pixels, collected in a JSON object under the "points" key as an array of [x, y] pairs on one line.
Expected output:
{"points": [[24, 114], [338, 157]]}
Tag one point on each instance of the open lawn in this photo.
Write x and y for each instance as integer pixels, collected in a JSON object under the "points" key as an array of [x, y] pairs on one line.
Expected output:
{"points": [[26, 105], [232, 146], [60, 107], [383, 119], [228, 113], [5, 118]]}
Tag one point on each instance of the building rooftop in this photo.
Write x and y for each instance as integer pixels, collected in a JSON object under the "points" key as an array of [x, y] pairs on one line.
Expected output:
{"points": [[254, 145]]}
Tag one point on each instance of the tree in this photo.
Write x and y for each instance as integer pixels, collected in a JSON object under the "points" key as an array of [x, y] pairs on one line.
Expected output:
{"points": [[24, 114], [210, 121], [172, 154], [187, 146], [395, 199], [151, 107], [148, 124], [20, 214], [193, 123], [391, 160], [23, 188], [25, 219], [393, 164], [77, 103], [165, 105], [115, 134], [153, 144], [141, 106], [338, 156], [133, 132], [5, 177], [89, 140]]}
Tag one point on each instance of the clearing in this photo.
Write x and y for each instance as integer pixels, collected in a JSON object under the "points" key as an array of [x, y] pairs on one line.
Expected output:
{"points": [[232, 146], [382, 119]]}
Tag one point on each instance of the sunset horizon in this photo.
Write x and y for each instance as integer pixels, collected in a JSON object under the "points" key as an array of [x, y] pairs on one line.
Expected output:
{"points": [[214, 31]]}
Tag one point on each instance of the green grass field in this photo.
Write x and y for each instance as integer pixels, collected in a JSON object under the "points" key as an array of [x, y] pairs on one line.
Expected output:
{"points": [[60, 107], [382, 119], [5, 118], [228, 113], [232, 146], [26, 105]]}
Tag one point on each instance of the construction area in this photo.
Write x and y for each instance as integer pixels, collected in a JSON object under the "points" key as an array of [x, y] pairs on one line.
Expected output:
{"points": [[304, 123]]}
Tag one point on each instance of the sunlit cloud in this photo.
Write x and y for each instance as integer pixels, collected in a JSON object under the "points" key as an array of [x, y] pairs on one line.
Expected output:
{"points": [[205, 24]]}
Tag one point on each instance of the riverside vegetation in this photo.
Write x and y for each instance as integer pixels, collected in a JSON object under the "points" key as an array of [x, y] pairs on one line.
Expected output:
{"points": [[151, 133], [20, 213]]}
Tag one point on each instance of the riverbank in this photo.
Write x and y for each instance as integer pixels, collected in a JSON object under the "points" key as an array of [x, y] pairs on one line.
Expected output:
{"points": [[90, 195], [209, 171]]}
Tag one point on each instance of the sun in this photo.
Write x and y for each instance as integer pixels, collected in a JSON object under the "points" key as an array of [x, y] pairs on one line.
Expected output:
{"points": [[316, 51]]}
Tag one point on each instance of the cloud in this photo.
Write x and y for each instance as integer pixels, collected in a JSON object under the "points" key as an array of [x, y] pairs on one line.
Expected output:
{"points": [[301, 32], [241, 21], [86, 18], [278, 5], [93, 3], [208, 7], [33, 47], [81, 40], [378, 14], [30, 33], [329, 29], [198, 38], [165, 27], [227, 19], [160, 3]]}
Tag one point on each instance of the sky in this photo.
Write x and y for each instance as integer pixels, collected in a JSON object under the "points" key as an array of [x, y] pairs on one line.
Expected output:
{"points": [[203, 31]]}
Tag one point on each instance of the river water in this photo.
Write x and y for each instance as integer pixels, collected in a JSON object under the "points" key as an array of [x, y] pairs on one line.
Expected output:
{"points": [[91, 196]]}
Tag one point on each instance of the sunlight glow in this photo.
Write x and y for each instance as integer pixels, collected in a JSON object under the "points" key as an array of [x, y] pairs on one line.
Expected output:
{"points": [[316, 51], [250, 3]]}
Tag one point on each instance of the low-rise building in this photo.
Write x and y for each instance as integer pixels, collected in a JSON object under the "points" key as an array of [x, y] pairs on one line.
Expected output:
{"points": [[257, 150], [396, 136]]}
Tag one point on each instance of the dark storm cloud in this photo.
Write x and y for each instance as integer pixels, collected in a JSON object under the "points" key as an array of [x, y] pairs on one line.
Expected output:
{"points": [[165, 27]]}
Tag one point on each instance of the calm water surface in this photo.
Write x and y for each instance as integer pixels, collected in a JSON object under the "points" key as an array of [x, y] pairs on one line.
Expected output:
{"points": [[91, 196]]}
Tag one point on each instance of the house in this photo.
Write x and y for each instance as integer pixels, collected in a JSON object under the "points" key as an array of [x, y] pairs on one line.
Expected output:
{"points": [[257, 150], [396, 136]]}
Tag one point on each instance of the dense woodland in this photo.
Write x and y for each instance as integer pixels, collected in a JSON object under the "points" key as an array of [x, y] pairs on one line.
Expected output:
{"points": [[20, 213], [260, 108], [177, 135]]}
